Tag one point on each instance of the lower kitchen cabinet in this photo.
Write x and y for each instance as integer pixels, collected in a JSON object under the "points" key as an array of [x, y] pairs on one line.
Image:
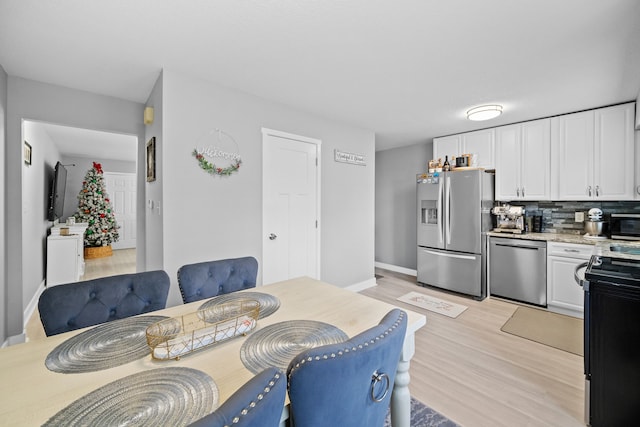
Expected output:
{"points": [[65, 259], [564, 295]]}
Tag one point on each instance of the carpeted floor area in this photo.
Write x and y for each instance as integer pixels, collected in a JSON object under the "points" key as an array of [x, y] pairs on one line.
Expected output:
{"points": [[423, 416]]}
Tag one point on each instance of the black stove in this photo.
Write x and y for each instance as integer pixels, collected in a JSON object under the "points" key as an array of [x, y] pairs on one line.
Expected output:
{"points": [[612, 341], [618, 271]]}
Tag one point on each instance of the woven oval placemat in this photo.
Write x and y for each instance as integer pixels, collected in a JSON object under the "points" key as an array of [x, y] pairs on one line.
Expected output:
{"points": [[159, 397], [103, 347], [276, 345], [269, 304]]}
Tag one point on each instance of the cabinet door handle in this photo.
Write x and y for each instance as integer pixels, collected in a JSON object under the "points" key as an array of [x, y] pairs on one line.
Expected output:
{"points": [[522, 191], [518, 191], [597, 191], [572, 250], [589, 191]]}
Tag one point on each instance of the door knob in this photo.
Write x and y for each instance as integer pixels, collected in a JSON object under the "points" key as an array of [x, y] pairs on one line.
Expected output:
{"points": [[272, 236]]}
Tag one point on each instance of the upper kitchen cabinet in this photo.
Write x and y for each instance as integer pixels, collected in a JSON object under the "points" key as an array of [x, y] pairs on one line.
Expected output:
{"points": [[447, 146], [523, 161], [481, 143], [594, 154]]}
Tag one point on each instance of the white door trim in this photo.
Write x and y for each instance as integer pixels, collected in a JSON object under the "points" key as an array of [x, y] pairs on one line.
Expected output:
{"points": [[318, 144]]}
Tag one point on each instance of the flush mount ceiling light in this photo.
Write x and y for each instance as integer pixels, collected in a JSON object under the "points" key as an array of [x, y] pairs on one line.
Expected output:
{"points": [[484, 112]]}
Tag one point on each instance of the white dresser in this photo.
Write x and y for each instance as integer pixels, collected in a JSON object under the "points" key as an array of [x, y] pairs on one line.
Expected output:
{"points": [[65, 254]]}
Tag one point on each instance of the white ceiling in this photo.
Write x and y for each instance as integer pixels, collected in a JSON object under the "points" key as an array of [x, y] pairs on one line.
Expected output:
{"points": [[92, 144], [406, 69]]}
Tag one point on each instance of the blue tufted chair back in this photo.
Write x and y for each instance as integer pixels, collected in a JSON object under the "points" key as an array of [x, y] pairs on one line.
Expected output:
{"points": [[258, 403], [211, 278], [77, 305], [349, 383]]}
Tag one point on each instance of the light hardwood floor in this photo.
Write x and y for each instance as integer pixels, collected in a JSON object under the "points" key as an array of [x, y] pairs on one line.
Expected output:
{"points": [[122, 261], [465, 368], [476, 375]]}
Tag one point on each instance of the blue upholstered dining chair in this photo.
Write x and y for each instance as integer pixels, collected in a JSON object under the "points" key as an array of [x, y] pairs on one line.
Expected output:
{"points": [[77, 305], [258, 403], [212, 278], [349, 383]]}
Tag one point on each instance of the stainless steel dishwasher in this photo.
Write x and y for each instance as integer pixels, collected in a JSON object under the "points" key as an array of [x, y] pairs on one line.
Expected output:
{"points": [[518, 270]]}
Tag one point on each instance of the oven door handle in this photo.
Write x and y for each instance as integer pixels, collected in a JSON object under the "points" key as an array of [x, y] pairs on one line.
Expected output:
{"points": [[580, 280]]}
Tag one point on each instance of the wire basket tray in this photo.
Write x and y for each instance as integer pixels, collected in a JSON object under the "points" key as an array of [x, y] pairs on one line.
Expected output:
{"points": [[179, 336]]}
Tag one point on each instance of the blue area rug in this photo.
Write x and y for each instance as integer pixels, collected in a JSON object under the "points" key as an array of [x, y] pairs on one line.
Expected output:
{"points": [[423, 416]]}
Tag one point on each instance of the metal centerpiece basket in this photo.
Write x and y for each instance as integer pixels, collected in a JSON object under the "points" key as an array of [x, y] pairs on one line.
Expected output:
{"points": [[179, 336]]}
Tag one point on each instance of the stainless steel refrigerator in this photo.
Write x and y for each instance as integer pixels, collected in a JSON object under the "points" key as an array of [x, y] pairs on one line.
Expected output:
{"points": [[454, 214]]}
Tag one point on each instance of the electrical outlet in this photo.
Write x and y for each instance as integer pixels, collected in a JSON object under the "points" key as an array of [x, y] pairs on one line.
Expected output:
{"points": [[579, 216]]}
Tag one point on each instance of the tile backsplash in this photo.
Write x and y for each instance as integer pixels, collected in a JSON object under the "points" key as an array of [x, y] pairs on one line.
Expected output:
{"points": [[559, 217]]}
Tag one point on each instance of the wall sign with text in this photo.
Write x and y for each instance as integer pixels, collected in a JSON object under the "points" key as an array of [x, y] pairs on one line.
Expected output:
{"points": [[218, 153], [351, 158]]}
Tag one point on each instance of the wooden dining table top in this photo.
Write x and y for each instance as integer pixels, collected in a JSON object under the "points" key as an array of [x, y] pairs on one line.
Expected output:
{"points": [[30, 393]]}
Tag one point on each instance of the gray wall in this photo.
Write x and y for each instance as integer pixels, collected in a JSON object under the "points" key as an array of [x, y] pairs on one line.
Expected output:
{"points": [[36, 185], [207, 217], [152, 191], [3, 138], [27, 99], [396, 222]]}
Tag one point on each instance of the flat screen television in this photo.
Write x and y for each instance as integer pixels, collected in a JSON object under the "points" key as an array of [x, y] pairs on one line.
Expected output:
{"points": [[56, 196]]}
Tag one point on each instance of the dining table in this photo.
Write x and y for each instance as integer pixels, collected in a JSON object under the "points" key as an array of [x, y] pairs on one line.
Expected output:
{"points": [[31, 393]]}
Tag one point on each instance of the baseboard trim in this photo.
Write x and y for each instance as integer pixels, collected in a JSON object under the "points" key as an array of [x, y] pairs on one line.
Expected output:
{"points": [[357, 287], [15, 339], [396, 268], [31, 307]]}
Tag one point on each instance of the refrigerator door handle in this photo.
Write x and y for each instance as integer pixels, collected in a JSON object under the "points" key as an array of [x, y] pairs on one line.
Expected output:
{"points": [[450, 255], [448, 210], [440, 206]]}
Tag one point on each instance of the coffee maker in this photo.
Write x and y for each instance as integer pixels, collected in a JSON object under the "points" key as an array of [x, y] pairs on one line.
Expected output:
{"points": [[510, 219]]}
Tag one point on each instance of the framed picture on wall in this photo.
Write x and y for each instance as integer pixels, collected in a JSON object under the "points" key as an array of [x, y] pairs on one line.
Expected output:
{"points": [[151, 160], [27, 153]]}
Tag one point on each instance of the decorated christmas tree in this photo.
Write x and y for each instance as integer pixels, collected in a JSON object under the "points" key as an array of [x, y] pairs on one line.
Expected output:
{"points": [[94, 208]]}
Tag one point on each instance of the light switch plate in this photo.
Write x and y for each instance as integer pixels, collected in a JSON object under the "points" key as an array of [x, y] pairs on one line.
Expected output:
{"points": [[579, 216]]}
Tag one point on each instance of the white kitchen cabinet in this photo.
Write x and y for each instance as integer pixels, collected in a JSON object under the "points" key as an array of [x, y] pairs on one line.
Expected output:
{"points": [[447, 146], [65, 259], [637, 160], [564, 295], [594, 154], [522, 161], [481, 143], [65, 254]]}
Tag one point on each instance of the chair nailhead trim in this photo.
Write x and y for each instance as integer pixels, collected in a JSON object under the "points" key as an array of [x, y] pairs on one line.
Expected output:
{"points": [[252, 404], [346, 350]]}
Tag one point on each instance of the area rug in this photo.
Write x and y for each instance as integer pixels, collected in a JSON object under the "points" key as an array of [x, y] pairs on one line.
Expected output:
{"points": [[434, 304], [552, 329], [423, 416]]}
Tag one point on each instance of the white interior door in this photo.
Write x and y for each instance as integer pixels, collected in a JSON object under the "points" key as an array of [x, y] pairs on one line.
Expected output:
{"points": [[291, 207], [121, 188]]}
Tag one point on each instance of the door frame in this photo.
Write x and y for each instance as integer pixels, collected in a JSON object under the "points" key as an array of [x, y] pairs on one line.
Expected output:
{"points": [[300, 139]]}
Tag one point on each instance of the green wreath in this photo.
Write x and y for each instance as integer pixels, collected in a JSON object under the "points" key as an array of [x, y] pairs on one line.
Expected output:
{"points": [[212, 169]]}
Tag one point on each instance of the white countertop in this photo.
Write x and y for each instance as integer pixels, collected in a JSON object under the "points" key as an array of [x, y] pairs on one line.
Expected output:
{"points": [[601, 246]]}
